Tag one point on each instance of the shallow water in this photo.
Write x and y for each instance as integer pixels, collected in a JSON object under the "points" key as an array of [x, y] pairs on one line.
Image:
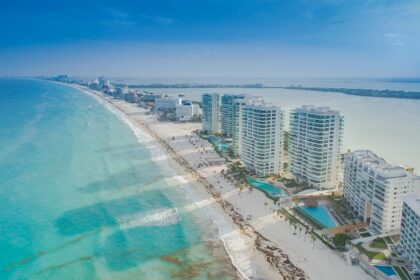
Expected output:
{"points": [[81, 198]]}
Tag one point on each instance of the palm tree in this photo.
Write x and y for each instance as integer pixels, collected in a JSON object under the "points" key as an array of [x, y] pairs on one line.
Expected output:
{"points": [[313, 237]]}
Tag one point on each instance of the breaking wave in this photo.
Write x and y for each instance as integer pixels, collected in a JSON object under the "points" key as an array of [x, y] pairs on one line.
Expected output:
{"points": [[157, 217]]}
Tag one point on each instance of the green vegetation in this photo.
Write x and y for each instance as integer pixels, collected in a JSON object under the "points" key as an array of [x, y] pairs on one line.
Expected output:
{"points": [[293, 220], [294, 184], [238, 173], [372, 255], [195, 119], [362, 230], [388, 240], [340, 240], [338, 206], [379, 243]]}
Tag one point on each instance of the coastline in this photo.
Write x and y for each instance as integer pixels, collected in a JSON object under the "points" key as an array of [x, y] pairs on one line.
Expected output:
{"points": [[238, 247], [271, 239]]}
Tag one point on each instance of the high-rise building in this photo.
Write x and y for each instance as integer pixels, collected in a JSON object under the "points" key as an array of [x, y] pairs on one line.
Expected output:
{"points": [[210, 104], [410, 231], [261, 138], [236, 117], [315, 145], [374, 190], [227, 114]]}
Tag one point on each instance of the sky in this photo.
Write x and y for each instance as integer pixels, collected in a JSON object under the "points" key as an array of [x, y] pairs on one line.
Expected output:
{"points": [[211, 38]]}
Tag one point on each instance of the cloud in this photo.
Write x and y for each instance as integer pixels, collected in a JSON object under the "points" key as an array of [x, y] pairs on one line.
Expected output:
{"points": [[117, 18], [394, 39]]}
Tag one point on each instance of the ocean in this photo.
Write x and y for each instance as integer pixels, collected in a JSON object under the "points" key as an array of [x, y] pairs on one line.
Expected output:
{"points": [[81, 197]]}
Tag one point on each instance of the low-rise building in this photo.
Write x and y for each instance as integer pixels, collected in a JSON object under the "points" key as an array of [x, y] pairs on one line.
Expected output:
{"points": [[374, 190], [167, 103], [187, 110], [149, 97], [410, 230]]}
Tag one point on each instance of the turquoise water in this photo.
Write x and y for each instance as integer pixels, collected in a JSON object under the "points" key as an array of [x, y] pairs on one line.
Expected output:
{"points": [[213, 139], [320, 214], [387, 270], [217, 142], [80, 198], [271, 190]]}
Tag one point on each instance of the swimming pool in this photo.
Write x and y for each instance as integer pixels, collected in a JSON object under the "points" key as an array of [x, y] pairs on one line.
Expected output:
{"points": [[321, 214], [271, 190], [218, 143], [213, 139], [387, 270], [222, 147]]}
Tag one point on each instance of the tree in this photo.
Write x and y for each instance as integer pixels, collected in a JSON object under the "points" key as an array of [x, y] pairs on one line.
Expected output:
{"points": [[340, 240], [313, 237]]}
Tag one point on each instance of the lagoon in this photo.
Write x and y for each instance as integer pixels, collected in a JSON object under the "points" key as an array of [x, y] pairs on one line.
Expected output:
{"points": [[387, 126]]}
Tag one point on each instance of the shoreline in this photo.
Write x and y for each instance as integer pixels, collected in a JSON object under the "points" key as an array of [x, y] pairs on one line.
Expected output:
{"points": [[278, 260], [275, 246], [243, 267]]}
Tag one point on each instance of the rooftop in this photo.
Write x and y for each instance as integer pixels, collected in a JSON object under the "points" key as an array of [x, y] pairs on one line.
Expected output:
{"points": [[378, 164], [314, 109]]}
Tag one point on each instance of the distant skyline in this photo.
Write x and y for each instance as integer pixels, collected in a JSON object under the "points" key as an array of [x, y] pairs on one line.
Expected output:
{"points": [[211, 38]]}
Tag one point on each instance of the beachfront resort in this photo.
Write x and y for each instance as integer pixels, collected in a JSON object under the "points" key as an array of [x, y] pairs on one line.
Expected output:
{"points": [[354, 203]]}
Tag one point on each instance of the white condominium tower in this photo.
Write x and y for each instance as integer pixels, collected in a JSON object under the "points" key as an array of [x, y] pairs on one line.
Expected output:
{"points": [[410, 230], [226, 112], [210, 103], [236, 116], [261, 138], [374, 190], [315, 144]]}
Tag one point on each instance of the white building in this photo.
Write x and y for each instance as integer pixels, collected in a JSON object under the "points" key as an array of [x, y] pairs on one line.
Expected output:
{"points": [[374, 190], [210, 104], [410, 230], [261, 138], [315, 145], [236, 117], [227, 114], [187, 110], [150, 97], [167, 103]]}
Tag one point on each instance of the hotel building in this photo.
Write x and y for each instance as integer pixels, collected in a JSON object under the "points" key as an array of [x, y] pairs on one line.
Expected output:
{"points": [[227, 114], [187, 110], [167, 103], [314, 145], [410, 230], [210, 104], [261, 138], [374, 190], [236, 117]]}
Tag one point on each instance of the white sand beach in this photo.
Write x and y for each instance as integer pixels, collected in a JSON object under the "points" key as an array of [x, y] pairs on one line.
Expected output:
{"points": [[260, 243]]}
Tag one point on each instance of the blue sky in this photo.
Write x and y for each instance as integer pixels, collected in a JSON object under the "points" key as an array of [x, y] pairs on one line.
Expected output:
{"points": [[175, 38]]}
